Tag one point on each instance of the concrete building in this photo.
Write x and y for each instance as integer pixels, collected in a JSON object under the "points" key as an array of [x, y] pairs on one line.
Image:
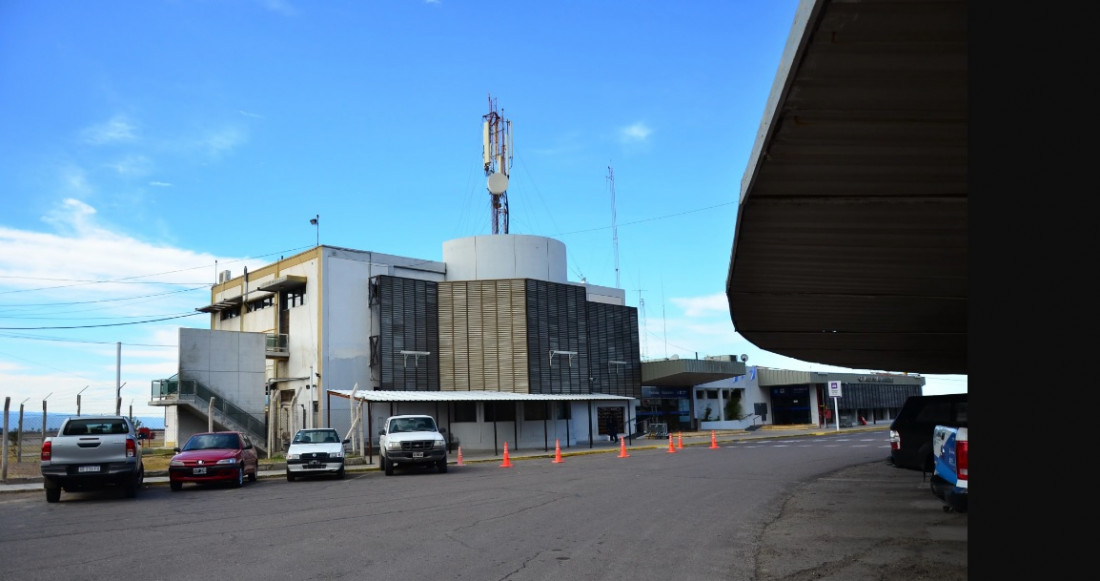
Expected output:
{"points": [[493, 340]]}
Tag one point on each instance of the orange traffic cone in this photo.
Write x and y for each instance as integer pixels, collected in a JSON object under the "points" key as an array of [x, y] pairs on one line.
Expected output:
{"points": [[622, 449], [557, 452], [671, 450], [679, 440], [460, 457], [507, 463], [713, 440]]}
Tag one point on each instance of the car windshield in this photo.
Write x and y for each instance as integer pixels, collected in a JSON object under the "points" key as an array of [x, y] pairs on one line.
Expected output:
{"points": [[212, 442], [316, 437]]}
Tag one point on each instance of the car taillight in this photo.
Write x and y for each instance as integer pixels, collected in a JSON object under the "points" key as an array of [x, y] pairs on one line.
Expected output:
{"points": [[131, 448], [47, 451], [962, 460]]}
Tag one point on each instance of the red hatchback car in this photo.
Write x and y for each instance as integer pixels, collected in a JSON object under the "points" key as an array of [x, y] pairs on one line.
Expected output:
{"points": [[214, 457]]}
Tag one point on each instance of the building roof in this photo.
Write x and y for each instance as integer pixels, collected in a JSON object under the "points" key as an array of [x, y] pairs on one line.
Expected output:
{"points": [[850, 247]]}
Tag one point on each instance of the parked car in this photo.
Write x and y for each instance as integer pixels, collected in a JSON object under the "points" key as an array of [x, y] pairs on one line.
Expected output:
{"points": [[213, 458], [911, 431], [411, 440], [315, 451]]}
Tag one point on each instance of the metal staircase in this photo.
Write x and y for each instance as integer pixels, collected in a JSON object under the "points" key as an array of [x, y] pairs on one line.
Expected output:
{"points": [[225, 414]]}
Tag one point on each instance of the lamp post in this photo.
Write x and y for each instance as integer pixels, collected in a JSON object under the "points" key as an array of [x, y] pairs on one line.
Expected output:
{"points": [[44, 415], [118, 399], [19, 434], [78, 400], [316, 221]]}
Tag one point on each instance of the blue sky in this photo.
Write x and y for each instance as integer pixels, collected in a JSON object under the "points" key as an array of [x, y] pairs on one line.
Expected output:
{"points": [[148, 145]]}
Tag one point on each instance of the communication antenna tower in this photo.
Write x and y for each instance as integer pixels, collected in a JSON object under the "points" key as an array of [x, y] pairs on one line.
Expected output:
{"points": [[614, 227], [644, 332], [496, 134]]}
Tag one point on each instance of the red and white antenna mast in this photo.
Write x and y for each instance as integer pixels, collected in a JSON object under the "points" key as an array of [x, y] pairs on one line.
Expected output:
{"points": [[496, 134]]}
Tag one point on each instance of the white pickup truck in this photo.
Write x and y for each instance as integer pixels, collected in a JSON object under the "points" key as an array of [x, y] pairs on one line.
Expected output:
{"points": [[92, 453], [411, 439]]}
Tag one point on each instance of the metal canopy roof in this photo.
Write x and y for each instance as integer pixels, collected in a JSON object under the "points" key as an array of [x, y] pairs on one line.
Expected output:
{"points": [[850, 247], [430, 396]]}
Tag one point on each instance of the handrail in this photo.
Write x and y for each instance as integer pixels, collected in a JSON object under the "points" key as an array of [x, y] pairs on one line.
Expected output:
{"points": [[228, 413]]}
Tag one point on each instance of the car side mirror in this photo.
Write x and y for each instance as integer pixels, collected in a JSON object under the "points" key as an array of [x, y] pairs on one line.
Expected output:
{"points": [[347, 440], [442, 430], [382, 432], [176, 449]]}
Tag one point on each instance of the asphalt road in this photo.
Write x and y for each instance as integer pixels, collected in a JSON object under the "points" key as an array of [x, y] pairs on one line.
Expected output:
{"points": [[813, 507]]}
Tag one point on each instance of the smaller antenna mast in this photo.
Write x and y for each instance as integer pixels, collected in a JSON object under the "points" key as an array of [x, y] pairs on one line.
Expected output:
{"points": [[614, 227]]}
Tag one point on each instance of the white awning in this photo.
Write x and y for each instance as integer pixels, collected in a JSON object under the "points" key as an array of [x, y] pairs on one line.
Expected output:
{"points": [[428, 396]]}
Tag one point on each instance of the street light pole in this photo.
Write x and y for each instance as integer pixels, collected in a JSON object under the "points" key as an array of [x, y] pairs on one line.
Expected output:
{"points": [[316, 221], [78, 400], [44, 415]]}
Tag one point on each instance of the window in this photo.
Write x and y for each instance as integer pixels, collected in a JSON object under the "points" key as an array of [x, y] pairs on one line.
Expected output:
{"points": [[535, 410], [500, 411], [465, 411], [563, 410], [230, 314], [712, 394], [296, 298], [258, 304]]}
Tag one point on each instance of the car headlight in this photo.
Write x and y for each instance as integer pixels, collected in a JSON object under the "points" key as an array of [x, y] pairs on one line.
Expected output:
{"points": [[339, 454], [227, 461], [439, 444], [393, 446], [174, 462], [292, 456]]}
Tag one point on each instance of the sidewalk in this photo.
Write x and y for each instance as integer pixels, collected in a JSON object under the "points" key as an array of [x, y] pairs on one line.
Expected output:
{"points": [[357, 464]]}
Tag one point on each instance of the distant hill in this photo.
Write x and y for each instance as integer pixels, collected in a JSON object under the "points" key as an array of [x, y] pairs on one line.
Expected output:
{"points": [[32, 421]]}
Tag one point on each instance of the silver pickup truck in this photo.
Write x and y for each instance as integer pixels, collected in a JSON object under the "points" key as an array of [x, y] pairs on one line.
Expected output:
{"points": [[92, 453]]}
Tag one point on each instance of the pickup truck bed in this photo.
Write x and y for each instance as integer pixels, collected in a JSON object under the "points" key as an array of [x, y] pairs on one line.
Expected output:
{"points": [[92, 453], [951, 476]]}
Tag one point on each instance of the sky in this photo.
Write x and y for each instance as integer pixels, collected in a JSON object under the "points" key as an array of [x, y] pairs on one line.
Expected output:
{"points": [[145, 146]]}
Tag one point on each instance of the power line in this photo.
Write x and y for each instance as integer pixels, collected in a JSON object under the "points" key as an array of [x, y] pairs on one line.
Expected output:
{"points": [[102, 325]]}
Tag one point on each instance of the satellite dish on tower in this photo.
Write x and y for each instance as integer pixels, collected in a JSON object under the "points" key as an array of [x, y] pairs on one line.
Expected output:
{"points": [[744, 358], [498, 183]]}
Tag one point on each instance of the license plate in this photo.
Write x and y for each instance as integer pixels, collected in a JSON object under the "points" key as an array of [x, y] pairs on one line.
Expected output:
{"points": [[418, 454], [94, 468], [199, 470], [314, 465]]}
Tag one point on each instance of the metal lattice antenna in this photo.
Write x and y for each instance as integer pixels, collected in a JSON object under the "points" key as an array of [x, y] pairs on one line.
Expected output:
{"points": [[614, 227], [496, 134]]}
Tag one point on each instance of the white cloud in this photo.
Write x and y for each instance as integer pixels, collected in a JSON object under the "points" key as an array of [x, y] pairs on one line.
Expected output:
{"points": [[636, 133], [223, 141], [117, 129]]}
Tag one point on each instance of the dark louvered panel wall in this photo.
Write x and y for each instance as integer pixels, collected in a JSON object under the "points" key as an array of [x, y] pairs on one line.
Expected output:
{"points": [[557, 321], [408, 312], [614, 358]]}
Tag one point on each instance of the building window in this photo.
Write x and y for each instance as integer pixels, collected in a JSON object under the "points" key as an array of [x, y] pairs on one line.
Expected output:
{"points": [[712, 394], [500, 411], [563, 410], [296, 298], [258, 304], [465, 411], [535, 410], [230, 314]]}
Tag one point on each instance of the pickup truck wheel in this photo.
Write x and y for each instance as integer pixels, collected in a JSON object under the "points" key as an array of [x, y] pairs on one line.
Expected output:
{"points": [[387, 466], [239, 482], [134, 485], [442, 466], [340, 473], [289, 476], [53, 494]]}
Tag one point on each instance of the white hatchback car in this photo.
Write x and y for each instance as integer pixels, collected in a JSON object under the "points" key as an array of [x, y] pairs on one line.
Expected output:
{"points": [[315, 451]]}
